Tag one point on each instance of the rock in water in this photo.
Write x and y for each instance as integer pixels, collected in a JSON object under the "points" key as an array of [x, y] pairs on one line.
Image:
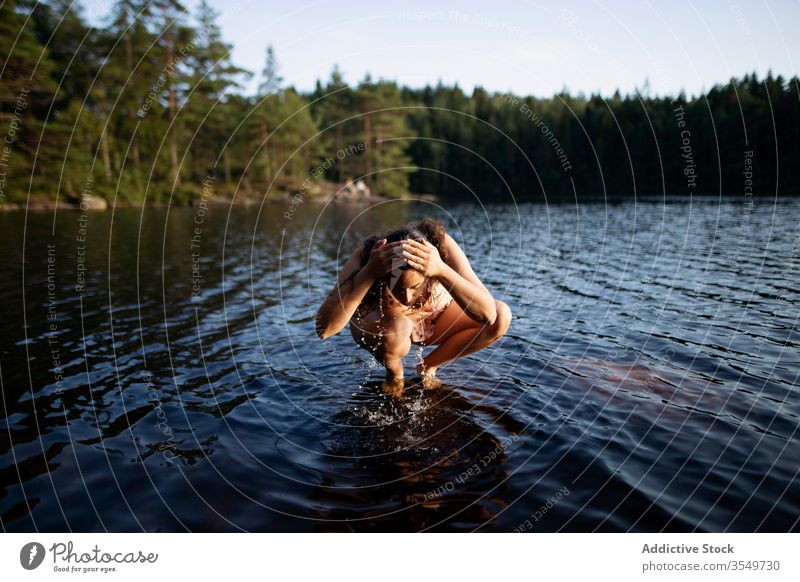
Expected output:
{"points": [[92, 202]]}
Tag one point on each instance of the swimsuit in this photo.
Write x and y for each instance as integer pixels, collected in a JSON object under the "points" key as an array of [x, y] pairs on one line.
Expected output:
{"points": [[424, 328], [425, 318]]}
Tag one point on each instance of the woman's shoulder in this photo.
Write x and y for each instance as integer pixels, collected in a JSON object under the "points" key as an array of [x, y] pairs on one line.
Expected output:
{"points": [[450, 251]]}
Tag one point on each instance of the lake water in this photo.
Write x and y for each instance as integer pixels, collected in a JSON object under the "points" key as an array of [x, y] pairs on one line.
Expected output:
{"points": [[648, 381]]}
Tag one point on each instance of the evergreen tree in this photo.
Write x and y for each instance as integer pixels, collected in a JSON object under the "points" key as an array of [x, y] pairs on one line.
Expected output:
{"points": [[26, 94], [331, 107], [271, 83], [212, 79]]}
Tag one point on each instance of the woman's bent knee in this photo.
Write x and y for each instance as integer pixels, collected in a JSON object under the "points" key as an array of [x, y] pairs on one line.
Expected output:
{"points": [[502, 322]]}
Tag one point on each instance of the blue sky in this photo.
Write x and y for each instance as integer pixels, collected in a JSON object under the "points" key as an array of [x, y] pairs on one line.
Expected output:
{"points": [[528, 47]]}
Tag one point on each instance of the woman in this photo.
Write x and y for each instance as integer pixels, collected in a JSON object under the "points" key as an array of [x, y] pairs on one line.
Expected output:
{"points": [[413, 285]]}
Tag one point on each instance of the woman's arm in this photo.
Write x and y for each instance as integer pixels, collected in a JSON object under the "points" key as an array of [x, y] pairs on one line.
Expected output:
{"points": [[340, 304], [465, 287], [457, 276]]}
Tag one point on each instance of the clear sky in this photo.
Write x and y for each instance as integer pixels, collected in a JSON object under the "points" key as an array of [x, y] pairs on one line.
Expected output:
{"points": [[528, 47]]}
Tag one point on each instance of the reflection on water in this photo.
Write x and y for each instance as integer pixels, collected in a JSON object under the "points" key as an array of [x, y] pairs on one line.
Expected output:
{"points": [[164, 375]]}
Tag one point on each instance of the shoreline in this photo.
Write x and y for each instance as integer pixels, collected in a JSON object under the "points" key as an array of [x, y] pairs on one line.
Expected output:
{"points": [[97, 204]]}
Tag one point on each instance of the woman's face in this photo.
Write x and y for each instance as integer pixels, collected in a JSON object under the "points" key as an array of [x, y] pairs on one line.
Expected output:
{"points": [[409, 286]]}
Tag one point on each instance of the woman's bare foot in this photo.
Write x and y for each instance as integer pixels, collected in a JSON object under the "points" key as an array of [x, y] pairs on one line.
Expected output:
{"points": [[393, 386], [428, 377]]}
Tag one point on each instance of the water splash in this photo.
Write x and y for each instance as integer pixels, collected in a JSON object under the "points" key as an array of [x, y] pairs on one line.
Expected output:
{"points": [[420, 359], [410, 419]]}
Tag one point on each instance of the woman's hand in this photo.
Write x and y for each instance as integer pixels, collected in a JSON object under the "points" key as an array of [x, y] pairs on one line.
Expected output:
{"points": [[424, 257], [383, 258]]}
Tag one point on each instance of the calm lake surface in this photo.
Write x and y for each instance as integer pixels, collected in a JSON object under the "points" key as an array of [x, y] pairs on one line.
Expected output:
{"points": [[648, 382]]}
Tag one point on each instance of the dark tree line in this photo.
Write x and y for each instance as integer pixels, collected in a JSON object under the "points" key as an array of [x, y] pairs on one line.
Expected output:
{"points": [[618, 146], [150, 105]]}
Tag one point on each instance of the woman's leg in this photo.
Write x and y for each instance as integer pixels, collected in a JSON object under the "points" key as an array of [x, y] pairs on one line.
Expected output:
{"points": [[388, 339], [458, 335]]}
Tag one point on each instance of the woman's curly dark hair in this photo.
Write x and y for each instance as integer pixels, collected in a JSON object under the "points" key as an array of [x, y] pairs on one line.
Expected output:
{"points": [[426, 229]]}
